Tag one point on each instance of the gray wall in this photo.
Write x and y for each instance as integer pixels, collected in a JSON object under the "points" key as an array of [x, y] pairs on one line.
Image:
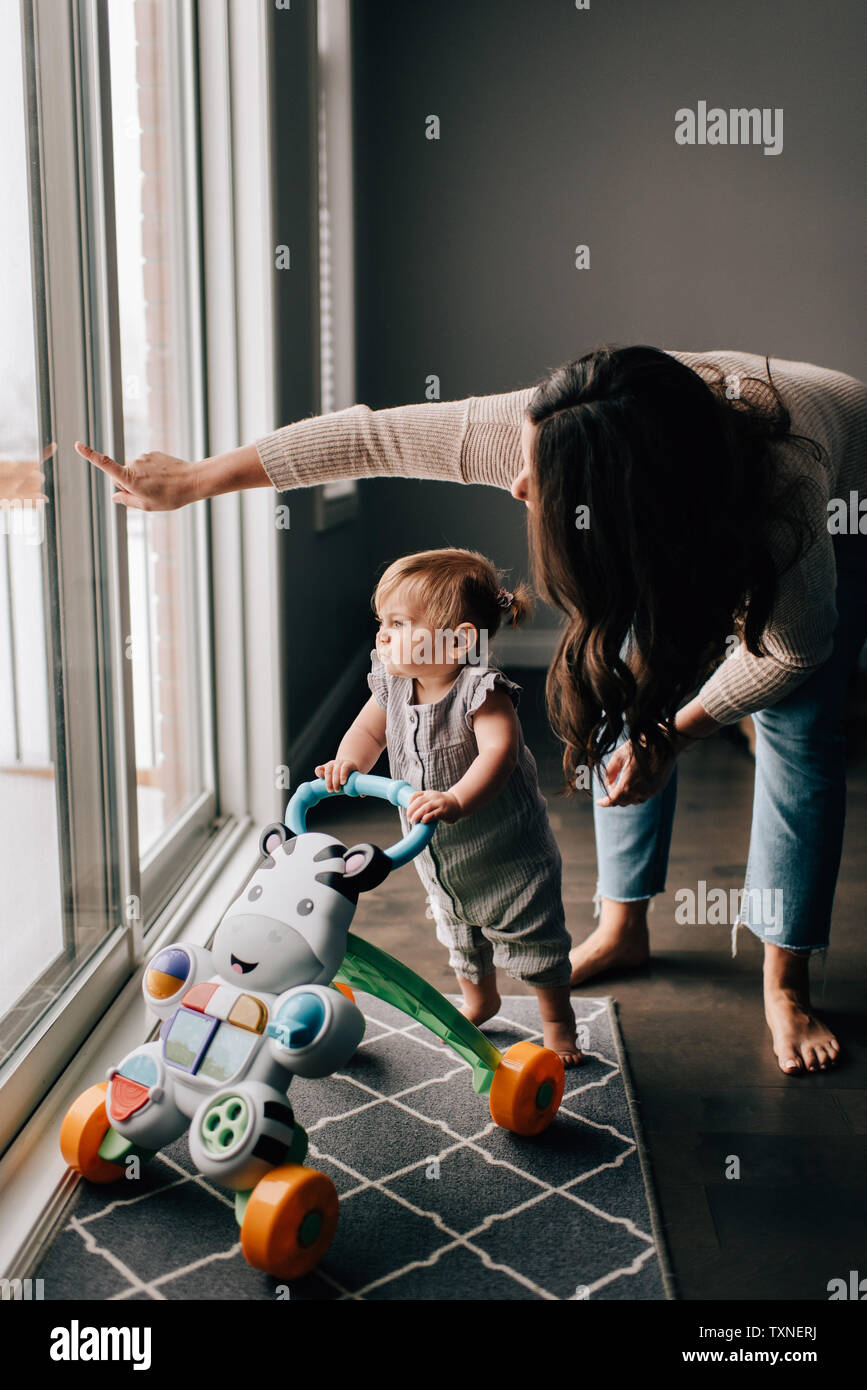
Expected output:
{"points": [[558, 129]]}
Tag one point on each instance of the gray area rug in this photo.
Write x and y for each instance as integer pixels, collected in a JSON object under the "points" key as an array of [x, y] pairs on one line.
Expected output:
{"points": [[436, 1202]]}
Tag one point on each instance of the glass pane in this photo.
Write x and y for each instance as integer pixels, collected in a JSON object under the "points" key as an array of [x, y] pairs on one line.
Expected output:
{"points": [[156, 328], [31, 917]]}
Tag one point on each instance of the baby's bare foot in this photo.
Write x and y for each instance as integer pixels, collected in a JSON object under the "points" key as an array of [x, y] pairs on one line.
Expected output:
{"points": [[558, 1023], [560, 1036], [481, 1001], [801, 1041], [480, 1013]]}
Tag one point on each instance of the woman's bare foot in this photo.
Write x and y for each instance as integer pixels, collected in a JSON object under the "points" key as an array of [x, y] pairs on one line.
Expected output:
{"points": [[801, 1041], [558, 1024], [481, 1001], [620, 942]]}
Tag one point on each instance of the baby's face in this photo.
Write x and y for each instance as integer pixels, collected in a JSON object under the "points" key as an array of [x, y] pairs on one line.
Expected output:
{"points": [[407, 644]]}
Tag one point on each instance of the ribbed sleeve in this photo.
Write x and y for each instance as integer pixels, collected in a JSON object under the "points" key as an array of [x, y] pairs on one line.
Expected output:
{"points": [[492, 443], [476, 440], [830, 408], [798, 636], [406, 441]]}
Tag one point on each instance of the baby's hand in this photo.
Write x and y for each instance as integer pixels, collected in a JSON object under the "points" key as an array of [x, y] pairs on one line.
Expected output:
{"points": [[426, 806], [336, 773]]}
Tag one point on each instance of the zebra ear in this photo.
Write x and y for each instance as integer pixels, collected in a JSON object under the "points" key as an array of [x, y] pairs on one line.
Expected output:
{"points": [[366, 867], [272, 837]]}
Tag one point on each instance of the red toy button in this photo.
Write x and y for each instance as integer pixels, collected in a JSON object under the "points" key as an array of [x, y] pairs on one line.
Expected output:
{"points": [[199, 996], [126, 1097]]}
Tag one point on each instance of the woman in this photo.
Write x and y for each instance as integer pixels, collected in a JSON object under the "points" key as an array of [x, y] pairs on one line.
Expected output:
{"points": [[679, 516]]}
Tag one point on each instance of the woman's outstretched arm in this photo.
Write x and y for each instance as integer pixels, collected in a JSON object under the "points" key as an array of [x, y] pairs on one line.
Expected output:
{"points": [[476, 440]]}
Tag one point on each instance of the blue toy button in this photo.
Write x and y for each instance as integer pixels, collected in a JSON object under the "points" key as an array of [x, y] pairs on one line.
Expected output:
{"points": [[172, 961], [299, 1021], [140, 1068]]}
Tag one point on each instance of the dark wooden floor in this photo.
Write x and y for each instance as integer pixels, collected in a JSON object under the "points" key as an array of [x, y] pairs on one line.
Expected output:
{"points": [[708, 1086]]}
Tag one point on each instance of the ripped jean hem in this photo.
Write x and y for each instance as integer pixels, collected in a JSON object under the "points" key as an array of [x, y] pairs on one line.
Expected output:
{"points": [[768, 940], [822, 949], [612, 897]]}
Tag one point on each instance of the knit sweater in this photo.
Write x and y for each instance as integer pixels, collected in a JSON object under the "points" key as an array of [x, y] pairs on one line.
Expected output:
{"points": [[478, 440]]}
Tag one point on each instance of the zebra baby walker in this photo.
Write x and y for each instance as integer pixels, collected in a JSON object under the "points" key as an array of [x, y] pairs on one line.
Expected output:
{"points": [[272, 999]]}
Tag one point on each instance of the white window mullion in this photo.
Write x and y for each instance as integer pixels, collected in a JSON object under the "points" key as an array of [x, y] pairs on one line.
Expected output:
{"points": [[105, 374], [238, 259], [223, 406], [254, 260]]}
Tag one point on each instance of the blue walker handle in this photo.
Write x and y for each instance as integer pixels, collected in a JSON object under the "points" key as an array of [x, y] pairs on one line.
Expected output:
{"points": [[363, 784]]}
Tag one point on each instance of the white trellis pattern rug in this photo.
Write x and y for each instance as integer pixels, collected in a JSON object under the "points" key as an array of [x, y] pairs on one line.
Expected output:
{"points": [[436, 1202]]}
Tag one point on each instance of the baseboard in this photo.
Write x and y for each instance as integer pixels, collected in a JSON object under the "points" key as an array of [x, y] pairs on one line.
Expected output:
{"points": [[307, 749], [534, 647]]}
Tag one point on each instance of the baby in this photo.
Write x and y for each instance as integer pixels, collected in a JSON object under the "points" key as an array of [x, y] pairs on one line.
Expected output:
{"points": [[493, 870]]}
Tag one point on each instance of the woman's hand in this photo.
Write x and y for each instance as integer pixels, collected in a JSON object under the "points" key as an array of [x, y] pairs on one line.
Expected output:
{"points": [[626, 786], [153, 482], [336, 772], [426, 806]]}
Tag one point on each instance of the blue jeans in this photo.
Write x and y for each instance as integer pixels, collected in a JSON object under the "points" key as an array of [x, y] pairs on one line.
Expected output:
{"points": [[799, 802]]}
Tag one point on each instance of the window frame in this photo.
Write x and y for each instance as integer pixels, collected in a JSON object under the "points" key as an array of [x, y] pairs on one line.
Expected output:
{"points": [[71, 261], [67, 86]]}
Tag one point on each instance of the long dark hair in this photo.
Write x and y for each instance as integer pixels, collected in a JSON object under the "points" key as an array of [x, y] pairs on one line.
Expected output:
{"points": [[684, 499]]}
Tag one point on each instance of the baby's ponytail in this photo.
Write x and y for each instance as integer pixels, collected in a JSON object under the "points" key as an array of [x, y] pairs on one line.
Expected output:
{"points": [[520, 607]]}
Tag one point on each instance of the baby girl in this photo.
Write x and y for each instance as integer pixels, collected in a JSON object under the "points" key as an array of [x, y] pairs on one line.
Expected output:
{"points": [[492, 871]]}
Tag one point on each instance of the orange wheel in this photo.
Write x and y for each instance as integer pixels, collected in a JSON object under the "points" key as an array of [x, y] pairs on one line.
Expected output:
{"points": [[527, 1088], [344, 989], [290, 1221], [84, 1127]]}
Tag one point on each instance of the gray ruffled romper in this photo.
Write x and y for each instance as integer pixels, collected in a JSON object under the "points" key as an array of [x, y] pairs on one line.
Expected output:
{"points": [[493, 879]]}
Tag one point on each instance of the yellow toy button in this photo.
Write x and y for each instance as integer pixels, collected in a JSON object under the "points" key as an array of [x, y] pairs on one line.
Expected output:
{"points": [[249, 1012]]}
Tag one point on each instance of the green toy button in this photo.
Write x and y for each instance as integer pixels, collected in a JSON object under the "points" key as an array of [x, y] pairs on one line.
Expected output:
{"points": [[310, 1228], [224, 1124], [544, 1095]]}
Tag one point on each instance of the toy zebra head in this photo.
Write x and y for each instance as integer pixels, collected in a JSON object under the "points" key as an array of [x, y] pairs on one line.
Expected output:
{"points": [[288, 925]]}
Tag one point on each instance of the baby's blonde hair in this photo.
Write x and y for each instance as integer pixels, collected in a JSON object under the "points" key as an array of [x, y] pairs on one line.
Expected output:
{"points": [[455, 586]]}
